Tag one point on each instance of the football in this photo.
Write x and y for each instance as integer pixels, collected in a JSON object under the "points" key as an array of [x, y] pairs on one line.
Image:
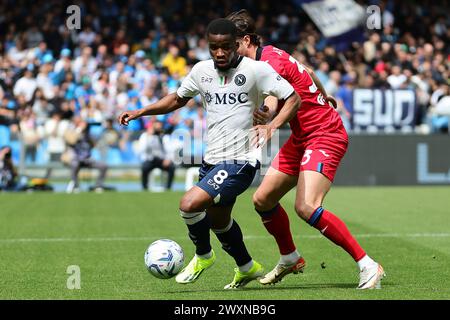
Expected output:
{"points": [[164, 258]]}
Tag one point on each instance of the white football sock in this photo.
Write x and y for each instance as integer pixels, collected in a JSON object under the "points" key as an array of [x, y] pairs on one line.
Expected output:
{"points": [[366, 261], [205, 256], [289, 258], [246, 267]]}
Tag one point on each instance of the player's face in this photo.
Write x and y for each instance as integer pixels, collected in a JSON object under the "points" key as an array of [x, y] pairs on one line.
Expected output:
{"points": [[244, 43], [222, 48]]}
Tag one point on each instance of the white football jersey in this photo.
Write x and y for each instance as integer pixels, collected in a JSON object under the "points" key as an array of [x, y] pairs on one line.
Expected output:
{"points": [[230, 97]]}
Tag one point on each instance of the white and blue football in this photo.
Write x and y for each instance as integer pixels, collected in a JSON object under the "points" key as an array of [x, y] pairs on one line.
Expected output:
{"points": [[164, 258]]}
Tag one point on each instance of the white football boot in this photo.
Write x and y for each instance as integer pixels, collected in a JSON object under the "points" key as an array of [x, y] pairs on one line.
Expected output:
{"points": [[370, 277], [282, 270]]}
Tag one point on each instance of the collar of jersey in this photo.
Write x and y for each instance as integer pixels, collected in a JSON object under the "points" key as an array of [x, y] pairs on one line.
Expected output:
{"points": [[259, 51]]}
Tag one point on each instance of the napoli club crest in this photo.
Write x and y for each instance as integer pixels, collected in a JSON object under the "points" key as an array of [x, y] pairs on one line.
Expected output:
{"points": [[239, 80]]}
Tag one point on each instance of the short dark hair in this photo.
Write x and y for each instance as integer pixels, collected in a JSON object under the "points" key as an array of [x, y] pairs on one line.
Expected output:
{"points": [[222, 26], [245, 25]]}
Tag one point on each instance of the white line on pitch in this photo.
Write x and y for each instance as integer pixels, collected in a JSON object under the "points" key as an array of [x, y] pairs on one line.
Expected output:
{"points": [[249, 237]]}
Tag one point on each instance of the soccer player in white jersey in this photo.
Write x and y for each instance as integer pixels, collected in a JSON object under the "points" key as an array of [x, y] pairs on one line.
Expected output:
{"points": [[231, 87]]}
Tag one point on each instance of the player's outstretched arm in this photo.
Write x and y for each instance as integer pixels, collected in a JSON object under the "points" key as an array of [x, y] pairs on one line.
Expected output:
{"points": [[167, 104], [286, 113], [289, 110]]}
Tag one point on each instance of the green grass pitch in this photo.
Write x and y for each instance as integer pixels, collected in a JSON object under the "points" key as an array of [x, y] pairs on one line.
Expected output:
{"points": [[407, 229]]}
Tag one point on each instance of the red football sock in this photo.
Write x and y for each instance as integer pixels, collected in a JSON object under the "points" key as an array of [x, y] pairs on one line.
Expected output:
{"points": [[335, 229], [278, 225]]}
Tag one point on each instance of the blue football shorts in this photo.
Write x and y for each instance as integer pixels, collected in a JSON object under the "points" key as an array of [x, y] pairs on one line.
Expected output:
{"points": [[226, 180]]}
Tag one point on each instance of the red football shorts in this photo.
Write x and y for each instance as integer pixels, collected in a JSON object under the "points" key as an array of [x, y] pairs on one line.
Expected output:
{"points": [[322, 154]]}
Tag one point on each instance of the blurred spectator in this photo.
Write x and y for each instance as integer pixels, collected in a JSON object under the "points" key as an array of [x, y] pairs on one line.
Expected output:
{"points": [[92, 112], [87, 36], [396, 80], [44, 80], [344, 97], [202, 50], [30, 134], [153, 153], [82, 145], [27, 84], [199, 135], [17, 53], [148, 97], [54, 130], [370, 47], [439, 115], [85, 64], [64, 61], [332, 85], [8, 172], [133, 130], [7, 112], [109, 138], [33, 36], [83, 94], [186, 116], [174, 62], [322, 72], [41, 107]]}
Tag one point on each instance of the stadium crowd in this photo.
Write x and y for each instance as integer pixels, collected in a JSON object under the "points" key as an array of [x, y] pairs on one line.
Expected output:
{"points": [[127, 54]]}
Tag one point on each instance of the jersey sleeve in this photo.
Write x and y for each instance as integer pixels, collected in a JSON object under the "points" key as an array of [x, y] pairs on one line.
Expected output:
{"points": [[189, 87], [275, 62], [271, 83], [276, 59]]}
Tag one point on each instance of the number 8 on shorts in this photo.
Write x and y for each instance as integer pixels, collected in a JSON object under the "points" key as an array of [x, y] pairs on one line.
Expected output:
{"points": [[220, 176]]}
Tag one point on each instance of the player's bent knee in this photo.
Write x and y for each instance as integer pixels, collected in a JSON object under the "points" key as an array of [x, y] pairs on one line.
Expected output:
{"points": [[258, 201], [262, 203], [190, 204], [187, 205], [304, 210]]}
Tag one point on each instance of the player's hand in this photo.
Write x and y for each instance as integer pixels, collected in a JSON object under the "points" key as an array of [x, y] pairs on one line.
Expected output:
{"points": [[261, 115], [331, 101], [126, 116], [263, 133]]}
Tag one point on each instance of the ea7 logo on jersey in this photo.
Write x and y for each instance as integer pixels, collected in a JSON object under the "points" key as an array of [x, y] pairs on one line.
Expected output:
{"points": [[240, 80], [206, 79]]}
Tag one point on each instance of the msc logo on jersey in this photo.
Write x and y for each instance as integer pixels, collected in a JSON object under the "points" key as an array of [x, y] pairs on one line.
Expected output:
{"points": [[226, 98], [240, 80]]}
